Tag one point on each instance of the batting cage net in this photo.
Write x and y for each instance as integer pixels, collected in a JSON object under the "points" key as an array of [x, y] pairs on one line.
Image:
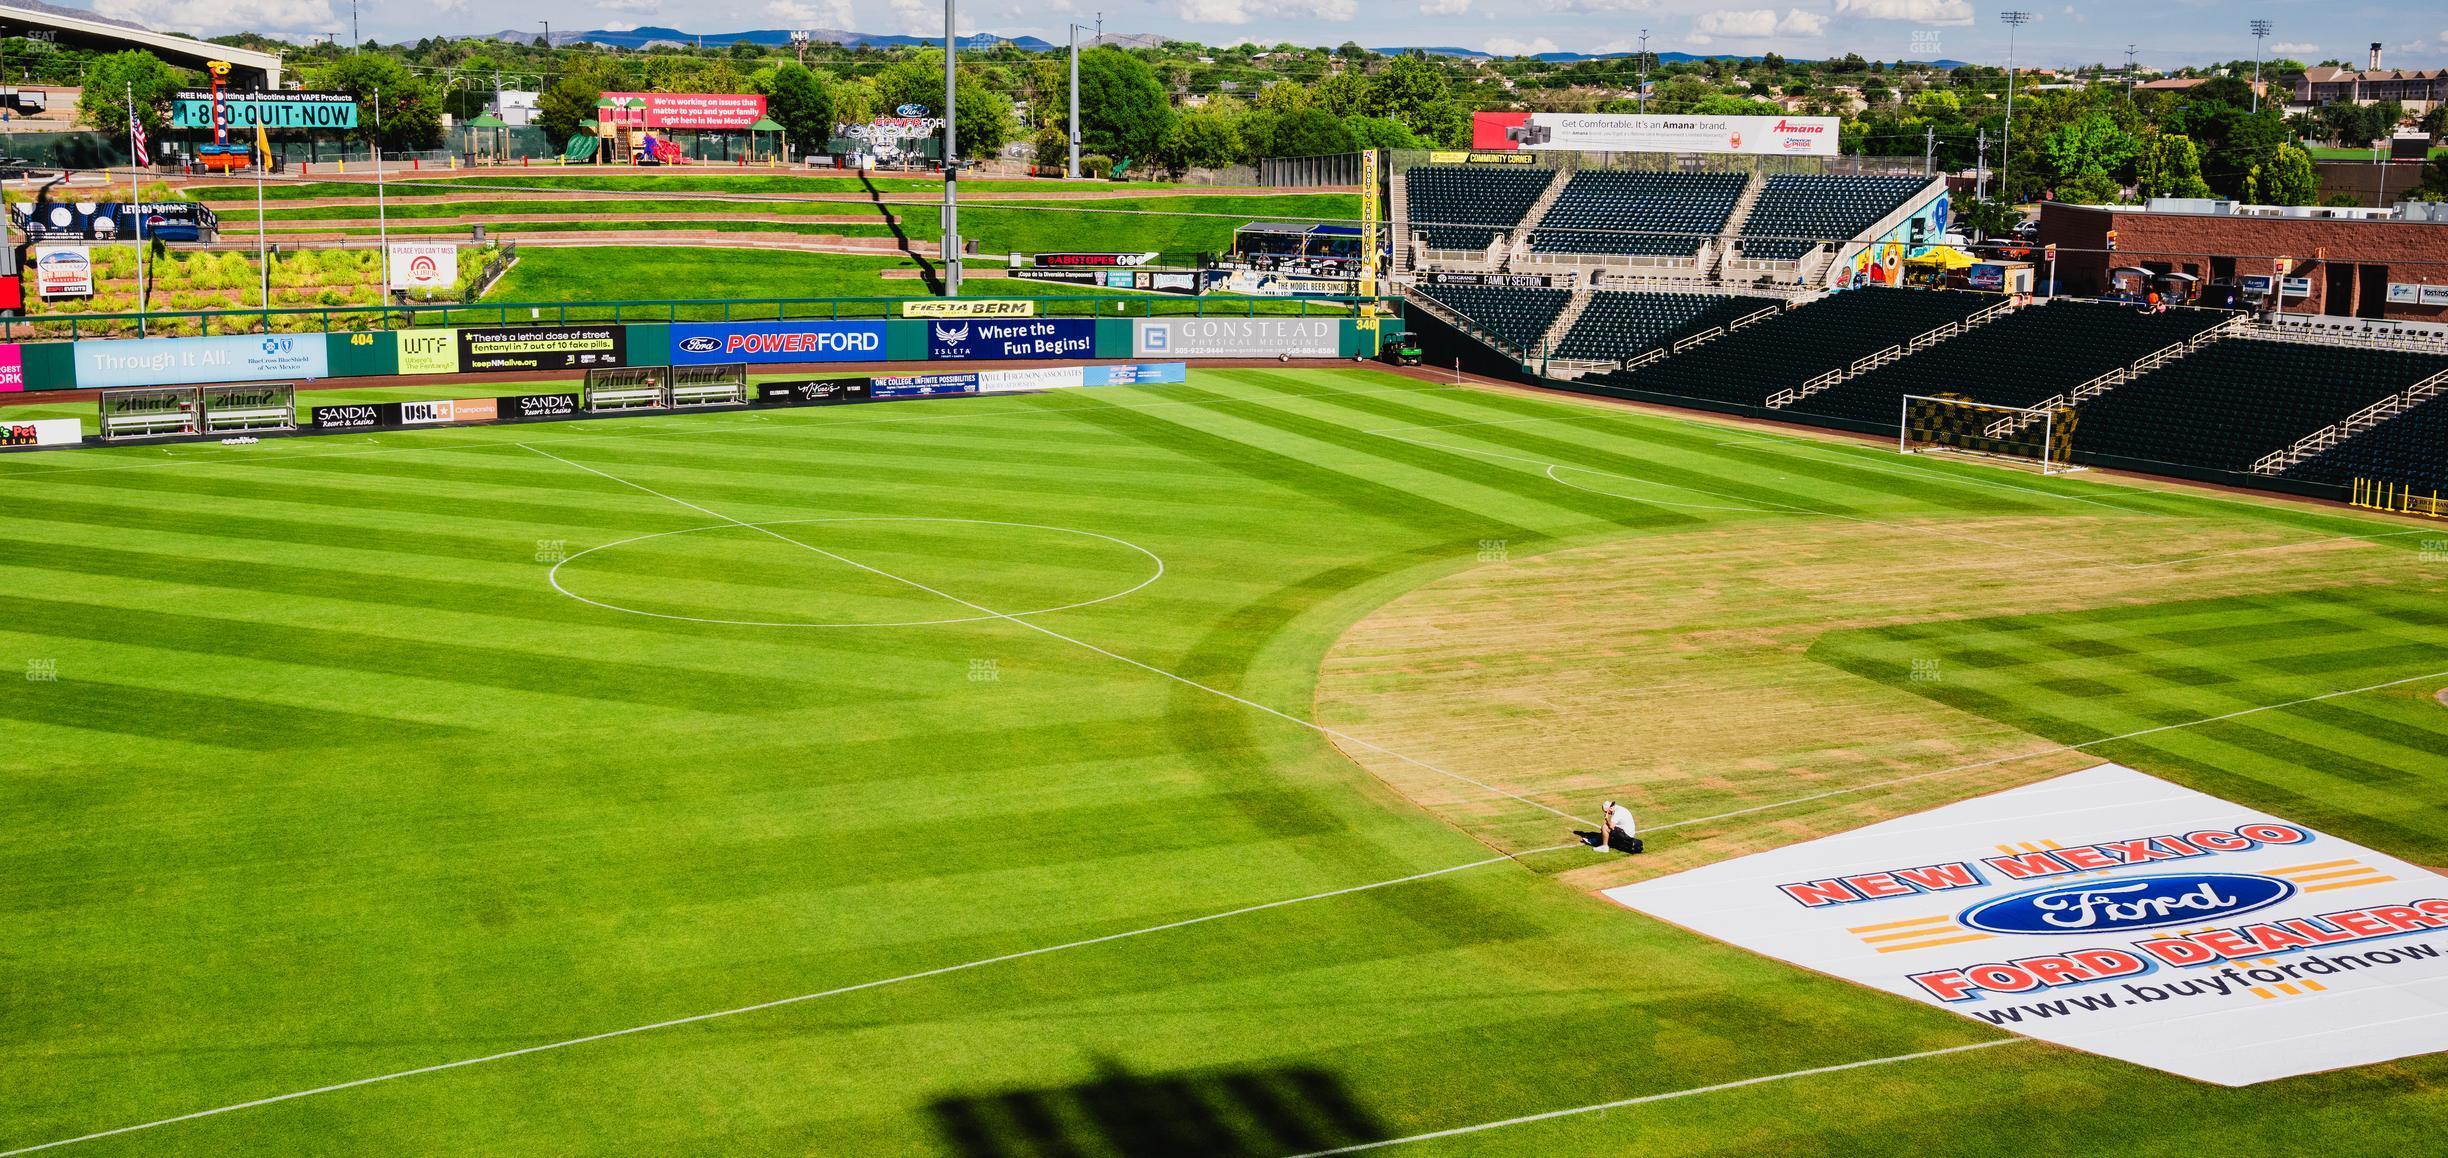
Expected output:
{"points": [[2043, 435]]}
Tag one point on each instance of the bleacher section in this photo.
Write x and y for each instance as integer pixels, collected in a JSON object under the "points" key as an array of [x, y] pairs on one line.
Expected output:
{"points": [[1617, 326], [1518, 318], [1801, 344], [1635, 214], [2227, 405], [1458, 207], [1819, 207], [2022, 359], [2409, 451]]}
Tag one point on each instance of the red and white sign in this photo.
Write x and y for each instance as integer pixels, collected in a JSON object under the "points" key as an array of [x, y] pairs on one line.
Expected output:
{"points": [[63, 271], [2108, 911], [731, 111], [1632, 133], [424, 265]]}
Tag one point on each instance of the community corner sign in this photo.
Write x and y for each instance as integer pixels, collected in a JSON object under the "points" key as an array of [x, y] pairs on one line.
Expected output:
{"points": [[2112, 912]]}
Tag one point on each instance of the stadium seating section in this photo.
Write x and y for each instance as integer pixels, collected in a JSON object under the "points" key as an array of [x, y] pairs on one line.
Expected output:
{"points": [[2022, 359], [2228, 404], [1617, 326], [2409, 451], [1797, 206], [1462, 208], [1638, 214], [1784, 352], [1519, 318]]}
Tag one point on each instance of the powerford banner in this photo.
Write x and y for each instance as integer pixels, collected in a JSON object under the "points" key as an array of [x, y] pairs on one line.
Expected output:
{"points": [[768, 342], [542, 347], [2112, 912], [1050, 338], [193, 361], [1631, 133], [1237, 337], [192, 109]]}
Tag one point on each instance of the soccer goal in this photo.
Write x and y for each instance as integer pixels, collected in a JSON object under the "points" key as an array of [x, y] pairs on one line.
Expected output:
{"points": [[2043, 435]]}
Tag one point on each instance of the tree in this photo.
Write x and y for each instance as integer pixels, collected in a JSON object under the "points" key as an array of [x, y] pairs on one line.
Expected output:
{"points": [[1416, 91], [561, 109], [800, 103], [104, 104], [1123, 109], [2091, 153], [1309, 133], [1985, 218], [985, 123], [2287, 179], [410, 111], [2434, 185], [1382, 133], [1204, 138], [2170, 166]]}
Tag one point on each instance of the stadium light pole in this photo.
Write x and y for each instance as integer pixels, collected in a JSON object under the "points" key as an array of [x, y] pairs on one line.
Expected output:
{"points": [[951, 157], [2014, 19], [1644, 71], [1072, 171], [2260, 31]]}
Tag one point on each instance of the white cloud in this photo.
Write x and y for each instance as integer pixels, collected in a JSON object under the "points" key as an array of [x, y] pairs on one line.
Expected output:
{"points": [[922, 18], [800, 14], [1594, 5], [1918, 11], [1444, 7], [2291, 47], [215, 17], [1756, 24], [633, 7], [1245, 11], [1508, 46]]}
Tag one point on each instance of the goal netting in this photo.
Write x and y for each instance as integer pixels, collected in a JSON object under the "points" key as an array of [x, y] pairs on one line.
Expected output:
{"points": [[2042, 435]]}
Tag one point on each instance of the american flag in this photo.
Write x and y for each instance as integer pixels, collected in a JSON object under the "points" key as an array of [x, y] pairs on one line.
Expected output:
{"points": [[136, 138]]}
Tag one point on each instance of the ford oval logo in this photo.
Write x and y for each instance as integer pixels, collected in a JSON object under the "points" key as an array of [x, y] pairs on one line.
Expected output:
{"points": [[2119, 905], [700, 344]]}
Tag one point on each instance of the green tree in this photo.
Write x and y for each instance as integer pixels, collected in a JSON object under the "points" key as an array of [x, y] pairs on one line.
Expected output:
{"points": [[2287, 179], [103, 106], [1984, 218], [2434, 185], [409, 112], [986, 122], [1309, 133], [2170, 166], [1203, 138], [1382, 133], [2091, 152], [561, 108], [1123, 109], [1416, 91], [799, 102]]}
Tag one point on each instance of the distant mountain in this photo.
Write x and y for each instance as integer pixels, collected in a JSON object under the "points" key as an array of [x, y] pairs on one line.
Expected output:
{"points": [[1578, 57], [650, 35]]}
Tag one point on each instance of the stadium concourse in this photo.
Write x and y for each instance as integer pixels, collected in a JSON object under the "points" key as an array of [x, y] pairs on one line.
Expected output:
{"points": [[1781, 296]]}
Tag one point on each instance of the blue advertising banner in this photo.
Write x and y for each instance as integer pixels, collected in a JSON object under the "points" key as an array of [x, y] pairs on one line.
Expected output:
{"points": [[922, 386], [1144, 374], [697, 344], [979, 339], [191, 361]]}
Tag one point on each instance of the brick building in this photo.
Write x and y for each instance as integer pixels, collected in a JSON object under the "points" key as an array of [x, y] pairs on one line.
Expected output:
{"points": [[2418, 89], [2358, 262]]}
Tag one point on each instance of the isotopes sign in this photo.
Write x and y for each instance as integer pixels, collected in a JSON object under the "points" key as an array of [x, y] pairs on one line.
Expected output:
{"points": [[2108, 911]]}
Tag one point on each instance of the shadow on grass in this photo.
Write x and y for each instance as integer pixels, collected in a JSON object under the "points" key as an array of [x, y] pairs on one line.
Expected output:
{"points": [[1238, 1112], [892, 221]]}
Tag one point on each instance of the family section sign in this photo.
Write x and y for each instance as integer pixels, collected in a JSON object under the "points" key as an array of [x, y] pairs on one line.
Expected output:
{"points": [[2112, 912]]}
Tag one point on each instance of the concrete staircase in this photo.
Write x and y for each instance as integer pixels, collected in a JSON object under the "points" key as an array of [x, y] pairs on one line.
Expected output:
{"points": [[1735, 221], [1520, 241]]}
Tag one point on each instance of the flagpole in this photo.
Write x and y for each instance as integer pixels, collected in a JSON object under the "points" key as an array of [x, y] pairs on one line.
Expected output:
{"points": [[263, 256], [382, 212], [136, 206]]}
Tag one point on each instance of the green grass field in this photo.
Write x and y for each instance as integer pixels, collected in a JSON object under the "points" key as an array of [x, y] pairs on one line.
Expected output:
{"points": [[427, 183], [1007, 833]]}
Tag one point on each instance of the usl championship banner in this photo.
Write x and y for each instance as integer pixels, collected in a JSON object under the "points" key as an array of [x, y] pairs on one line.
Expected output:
{"points": [[1632, 133], [2113, 912]]}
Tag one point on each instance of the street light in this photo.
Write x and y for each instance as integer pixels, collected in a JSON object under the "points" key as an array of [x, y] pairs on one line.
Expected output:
{"points": [[2260, 31], [2013, 19], [1644, 71]]}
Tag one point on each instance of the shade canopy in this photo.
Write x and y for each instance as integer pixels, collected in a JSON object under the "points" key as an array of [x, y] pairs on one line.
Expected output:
{"points": [[765, 125], [1944, 257], [487, 121]]}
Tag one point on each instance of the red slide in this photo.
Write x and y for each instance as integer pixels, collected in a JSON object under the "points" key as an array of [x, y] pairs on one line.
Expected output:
{"points": [[665, 152]]}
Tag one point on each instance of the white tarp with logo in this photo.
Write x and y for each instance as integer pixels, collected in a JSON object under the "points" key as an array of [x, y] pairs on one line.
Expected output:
{"points": [[2113, 912], [424, 265]]}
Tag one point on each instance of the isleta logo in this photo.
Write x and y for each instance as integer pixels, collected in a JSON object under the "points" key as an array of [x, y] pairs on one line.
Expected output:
{"points": [[2132, 903]]}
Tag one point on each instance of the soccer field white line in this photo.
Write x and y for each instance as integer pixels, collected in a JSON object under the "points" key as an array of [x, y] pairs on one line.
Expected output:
{"points": [[1669, 1096], [990, 613], [764, 1005]]}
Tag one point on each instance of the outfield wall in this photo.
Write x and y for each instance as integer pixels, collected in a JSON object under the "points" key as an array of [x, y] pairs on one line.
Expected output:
{"points": [[581, 346]]}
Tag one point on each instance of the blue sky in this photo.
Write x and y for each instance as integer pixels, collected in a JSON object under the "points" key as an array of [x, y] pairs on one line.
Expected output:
{"points": [[2166, 32]]}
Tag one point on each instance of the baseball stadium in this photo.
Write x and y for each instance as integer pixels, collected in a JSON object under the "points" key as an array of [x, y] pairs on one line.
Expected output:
{"points": [[1603, 632]]}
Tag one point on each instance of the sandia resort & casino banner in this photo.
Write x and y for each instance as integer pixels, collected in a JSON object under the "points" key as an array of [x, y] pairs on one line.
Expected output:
{"points": [[2112, 912]]}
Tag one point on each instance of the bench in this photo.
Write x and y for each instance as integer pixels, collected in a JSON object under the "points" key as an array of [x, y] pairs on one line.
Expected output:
{"points": [[709, 394], [251, 418], [148, 425], [626, 398]]}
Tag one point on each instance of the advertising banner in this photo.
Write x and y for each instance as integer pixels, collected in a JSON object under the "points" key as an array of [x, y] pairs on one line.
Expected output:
{"points": [[1043, 378], [112, 221], [63, 271], [1631, 133], [427, 351], [815, 392], [42, 432], [983, 340], [355, 416], [542, 347], [727, 111], [448, 410], [529, 407], [192, 109], [970, 308], [2107, 911], [2435, 295], [1237, 337], [1092, 260], [189, 361], [1062, 276], [12, 368], [2404, 293], [1516, 280], [1986, 277], [424, 265], [698, 344], [922, 385], [1144, 374]]}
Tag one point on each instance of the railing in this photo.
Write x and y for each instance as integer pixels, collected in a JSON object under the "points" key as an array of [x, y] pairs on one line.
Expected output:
{"points": [[1650, 358], [1709, 334], [1754, 319], [2353, 424]]}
